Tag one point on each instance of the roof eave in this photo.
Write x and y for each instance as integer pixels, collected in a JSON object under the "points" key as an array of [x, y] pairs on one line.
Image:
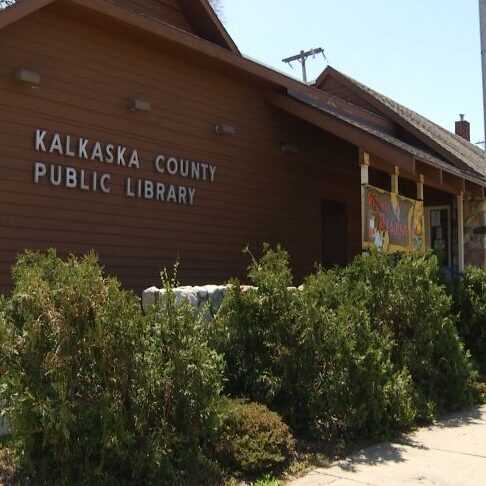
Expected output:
{"points": [[366, 140], [175, 36], [329, 71]]}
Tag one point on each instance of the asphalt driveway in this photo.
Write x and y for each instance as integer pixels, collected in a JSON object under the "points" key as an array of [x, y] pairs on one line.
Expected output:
{"points": [[450, 453]]}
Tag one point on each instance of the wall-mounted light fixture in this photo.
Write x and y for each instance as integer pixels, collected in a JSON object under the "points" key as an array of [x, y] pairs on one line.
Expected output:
{"points": [[28, 76], [224, 129], [288, 148], [140, 105]]}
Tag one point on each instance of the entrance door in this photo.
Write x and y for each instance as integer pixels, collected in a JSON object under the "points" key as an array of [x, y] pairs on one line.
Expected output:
{"points": [[438, 227], [334, 234]]}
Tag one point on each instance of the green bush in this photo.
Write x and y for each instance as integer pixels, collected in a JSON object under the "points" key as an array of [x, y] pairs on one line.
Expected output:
{"points": [[357, 351], [469, 295], [254, 328], [409, 300], [310, 355], [94, 390], [351, 387], [181, 390], [252, 439]]}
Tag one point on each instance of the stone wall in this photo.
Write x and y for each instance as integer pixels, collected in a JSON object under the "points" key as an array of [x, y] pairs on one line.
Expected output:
{"points": [[208, 297], [474, 231]]}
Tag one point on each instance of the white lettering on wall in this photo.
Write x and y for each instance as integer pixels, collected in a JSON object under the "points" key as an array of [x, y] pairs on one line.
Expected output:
{"points": [[158, 191], [56, 145], [189, 169], [133, 162], [83, 148], [40, 170], [40, 135], [70, 177]]}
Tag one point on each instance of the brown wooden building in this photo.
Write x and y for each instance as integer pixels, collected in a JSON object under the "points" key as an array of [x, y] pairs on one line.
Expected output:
{"points": [[137, 129]]}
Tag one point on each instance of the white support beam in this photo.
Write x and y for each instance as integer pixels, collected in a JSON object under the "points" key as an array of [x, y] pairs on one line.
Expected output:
{"points": [[365, 177]]}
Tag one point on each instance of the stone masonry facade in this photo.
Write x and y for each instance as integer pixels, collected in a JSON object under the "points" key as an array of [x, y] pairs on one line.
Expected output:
{"points": [[474, 231]]}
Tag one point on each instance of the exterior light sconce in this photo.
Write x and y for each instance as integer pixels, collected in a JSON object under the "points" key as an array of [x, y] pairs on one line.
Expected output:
{"points": [[28, 77], [224, 129], [288, 148], [140, 105]]}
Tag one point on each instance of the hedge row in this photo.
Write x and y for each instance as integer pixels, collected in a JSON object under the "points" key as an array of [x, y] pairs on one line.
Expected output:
{"points": [[96, 391], [469, 296], [357, 352]]}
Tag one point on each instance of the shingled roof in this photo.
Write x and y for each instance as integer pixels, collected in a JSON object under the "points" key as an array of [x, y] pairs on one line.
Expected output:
{"points": [[429, 142], [450, 146], [420, 154]]}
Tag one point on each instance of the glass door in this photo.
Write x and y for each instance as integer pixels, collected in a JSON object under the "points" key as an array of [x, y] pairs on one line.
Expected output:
{"points": [[438, 226]]}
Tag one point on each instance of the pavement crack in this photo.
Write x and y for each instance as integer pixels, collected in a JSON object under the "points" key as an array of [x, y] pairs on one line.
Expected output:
{"points": [[457, 452], [357, 481]]}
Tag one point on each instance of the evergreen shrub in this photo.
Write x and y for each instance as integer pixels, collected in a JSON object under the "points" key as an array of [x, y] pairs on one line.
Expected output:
{"points": [[251, 438], [469, 294], [357, 352], [96, 392], [409, 300]]}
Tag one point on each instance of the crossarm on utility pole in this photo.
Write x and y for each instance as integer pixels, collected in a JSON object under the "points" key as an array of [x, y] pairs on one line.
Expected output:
{"points": [[302, 58]]}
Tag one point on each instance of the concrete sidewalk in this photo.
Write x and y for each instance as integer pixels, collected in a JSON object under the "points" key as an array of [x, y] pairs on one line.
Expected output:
{"points": [[451, 453]]}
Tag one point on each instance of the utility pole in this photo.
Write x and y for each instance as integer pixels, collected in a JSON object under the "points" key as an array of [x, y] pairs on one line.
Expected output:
{"points": [[302, 58], [482, 24]]}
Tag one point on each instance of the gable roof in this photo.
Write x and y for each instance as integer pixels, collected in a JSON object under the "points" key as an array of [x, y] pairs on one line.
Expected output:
{"points": [[155, 31], [449, 145], [185, 45], [199, 13], [357, 122], [207, 24]]}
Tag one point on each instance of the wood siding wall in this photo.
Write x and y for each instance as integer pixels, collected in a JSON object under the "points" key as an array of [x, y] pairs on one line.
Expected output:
{"points": [[166, 10], [260, 194], [335, 88]]}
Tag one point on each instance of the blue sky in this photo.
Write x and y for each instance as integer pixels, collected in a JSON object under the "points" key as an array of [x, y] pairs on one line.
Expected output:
{"points": [[423, 53]]}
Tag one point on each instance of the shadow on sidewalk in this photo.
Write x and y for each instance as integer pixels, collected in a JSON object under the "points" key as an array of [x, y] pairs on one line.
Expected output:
{"points": [[394, 451], [473, 415], [379, 454]]}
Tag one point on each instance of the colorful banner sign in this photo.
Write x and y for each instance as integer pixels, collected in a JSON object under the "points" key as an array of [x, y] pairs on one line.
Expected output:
{"points": [[392, 222]]}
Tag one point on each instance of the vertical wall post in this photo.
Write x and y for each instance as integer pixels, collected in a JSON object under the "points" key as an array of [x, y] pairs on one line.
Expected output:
{"points": [[364, 164], [460, 230], [420, 188], [394, 180]]}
